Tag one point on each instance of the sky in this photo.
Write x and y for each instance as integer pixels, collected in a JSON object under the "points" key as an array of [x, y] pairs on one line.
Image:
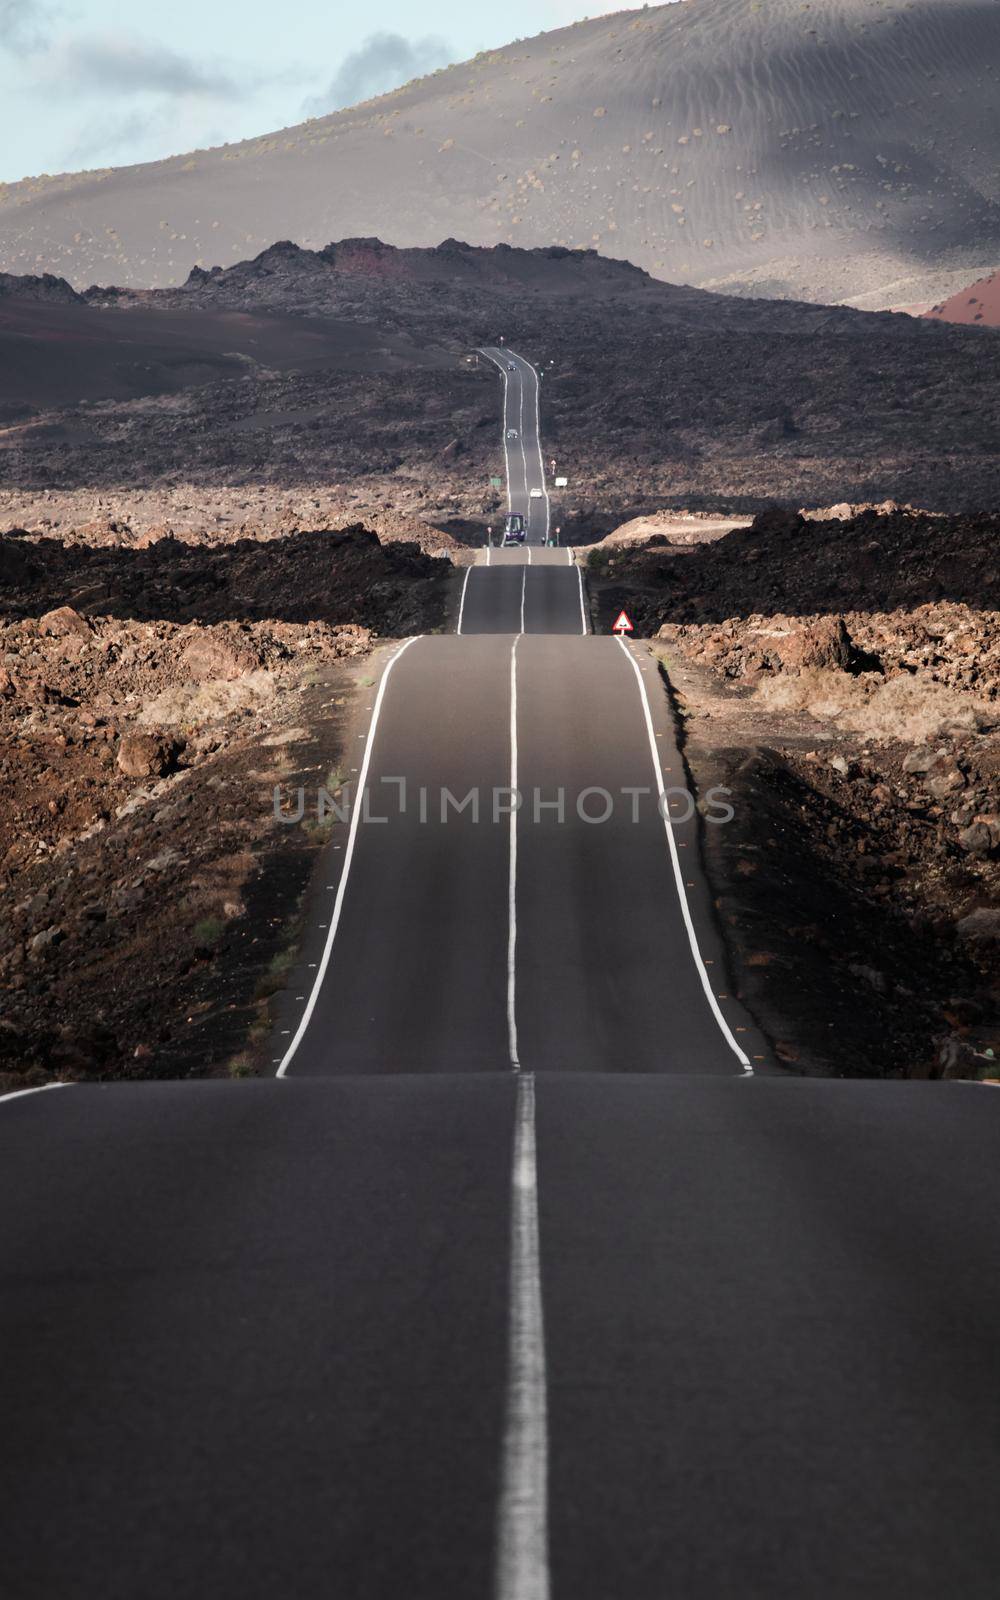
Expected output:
{"points": [[94, 83]]}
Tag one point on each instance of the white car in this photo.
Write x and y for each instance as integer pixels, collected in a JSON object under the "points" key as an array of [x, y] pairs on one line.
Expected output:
{"points": [[536, 494]]}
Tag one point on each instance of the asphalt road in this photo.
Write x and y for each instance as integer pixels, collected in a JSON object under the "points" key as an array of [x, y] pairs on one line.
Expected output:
{"points": [[254, 1337], [527, 492], [528, 590], [530, 1276]]}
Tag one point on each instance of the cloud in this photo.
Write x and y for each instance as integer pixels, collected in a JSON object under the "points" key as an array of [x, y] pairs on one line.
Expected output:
{"points": [[383, 62], [23, 25], [126, 66], [104, 138]]}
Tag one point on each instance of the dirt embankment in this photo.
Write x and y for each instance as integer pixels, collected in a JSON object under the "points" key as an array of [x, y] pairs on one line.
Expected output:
{"points": [[146, 890], [860, 880]]}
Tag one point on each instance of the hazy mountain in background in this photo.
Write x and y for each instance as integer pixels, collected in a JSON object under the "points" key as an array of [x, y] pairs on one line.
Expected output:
{"points": [[841, 149]]}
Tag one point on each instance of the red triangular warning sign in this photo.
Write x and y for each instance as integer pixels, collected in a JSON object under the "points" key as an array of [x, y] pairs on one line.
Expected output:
{"points": [[623, 625]]}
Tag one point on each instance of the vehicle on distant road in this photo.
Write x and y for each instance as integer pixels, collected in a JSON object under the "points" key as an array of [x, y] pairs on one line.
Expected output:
{"points": [[513, 529], [535, 494], [512, 433], [511, 367]]}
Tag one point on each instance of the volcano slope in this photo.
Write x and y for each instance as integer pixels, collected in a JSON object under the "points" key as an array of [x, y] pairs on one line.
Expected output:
{"points": [[847, 149], [977, 303], [343, 383]]}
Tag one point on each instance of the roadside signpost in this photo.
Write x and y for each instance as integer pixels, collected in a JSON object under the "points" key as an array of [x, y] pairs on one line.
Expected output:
{"points": [[623, 625], [561, 483], [496, 483]]}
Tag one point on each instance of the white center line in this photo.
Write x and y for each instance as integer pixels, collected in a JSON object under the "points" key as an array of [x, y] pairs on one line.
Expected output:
{"points": [[345, 872], [505, 424], [522, 1562], [699, 962], [512, 871], [522, 1570]]}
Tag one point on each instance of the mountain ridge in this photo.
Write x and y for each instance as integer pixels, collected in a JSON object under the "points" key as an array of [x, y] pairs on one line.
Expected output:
{"points": [[846, 150]]}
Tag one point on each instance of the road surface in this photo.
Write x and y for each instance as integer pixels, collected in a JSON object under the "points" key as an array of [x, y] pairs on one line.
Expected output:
{"points": [[529, 1276], [527, 492]]}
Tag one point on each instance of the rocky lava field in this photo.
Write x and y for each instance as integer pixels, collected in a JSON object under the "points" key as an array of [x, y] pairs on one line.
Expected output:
{"points": [[654, 396], [219, 498], [144, 722], [842, 675]]}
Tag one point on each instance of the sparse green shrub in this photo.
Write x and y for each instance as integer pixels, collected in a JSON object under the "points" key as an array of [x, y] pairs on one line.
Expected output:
{"points": [[274, 978]]}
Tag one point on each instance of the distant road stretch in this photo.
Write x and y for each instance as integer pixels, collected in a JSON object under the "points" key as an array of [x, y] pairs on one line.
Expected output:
{"points": [[522, 442]]}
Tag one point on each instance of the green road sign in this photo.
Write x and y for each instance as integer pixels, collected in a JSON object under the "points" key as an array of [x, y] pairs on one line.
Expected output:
{"points": [[496, 483]]}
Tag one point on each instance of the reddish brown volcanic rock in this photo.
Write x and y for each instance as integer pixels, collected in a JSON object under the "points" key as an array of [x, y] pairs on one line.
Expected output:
{"points": [[979, 303]]}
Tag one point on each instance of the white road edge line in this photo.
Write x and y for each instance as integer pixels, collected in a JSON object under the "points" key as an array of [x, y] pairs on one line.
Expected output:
{"points": [[524, 588], [522, 1562], [524, 453], [512, 872], [583, 609], [345, 870], [538, 441], [724, 1027], [40, 1088], [503, 430], [461, 608], [502, 368], [501, 362]]}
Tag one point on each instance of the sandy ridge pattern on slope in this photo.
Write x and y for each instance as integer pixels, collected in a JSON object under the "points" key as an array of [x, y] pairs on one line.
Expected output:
{"points": [[842, 149]]}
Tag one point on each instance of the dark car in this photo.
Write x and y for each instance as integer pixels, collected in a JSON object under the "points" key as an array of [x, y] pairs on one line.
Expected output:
{"points": [[513, 529]]}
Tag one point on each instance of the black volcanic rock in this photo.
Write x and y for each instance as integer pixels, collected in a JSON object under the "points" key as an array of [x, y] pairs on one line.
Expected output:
{"points": [[357, 361], [47, 288]]}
